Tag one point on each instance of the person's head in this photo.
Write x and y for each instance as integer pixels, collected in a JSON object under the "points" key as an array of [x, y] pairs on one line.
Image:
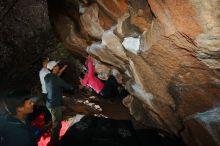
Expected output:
{"points": [[19, 102], [54, 67], [44, 61]]}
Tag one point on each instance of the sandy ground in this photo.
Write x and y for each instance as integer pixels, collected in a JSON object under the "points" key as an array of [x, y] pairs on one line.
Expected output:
{"points": [[87, 103]]}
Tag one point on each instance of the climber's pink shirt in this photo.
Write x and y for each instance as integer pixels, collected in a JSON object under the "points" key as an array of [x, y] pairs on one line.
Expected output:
{"points": [[90, 79]]}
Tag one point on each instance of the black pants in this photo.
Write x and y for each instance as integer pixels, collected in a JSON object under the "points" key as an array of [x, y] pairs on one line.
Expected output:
{"points": [[110, 87], [47, 115]]}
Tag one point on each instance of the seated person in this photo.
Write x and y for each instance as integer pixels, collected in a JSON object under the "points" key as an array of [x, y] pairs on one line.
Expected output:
{"points": [[14, 128], [107, 89]]}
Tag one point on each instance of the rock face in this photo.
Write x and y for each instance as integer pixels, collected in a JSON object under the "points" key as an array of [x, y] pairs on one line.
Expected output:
{"points": [[172, 68], [25, 33], [93, 27]]}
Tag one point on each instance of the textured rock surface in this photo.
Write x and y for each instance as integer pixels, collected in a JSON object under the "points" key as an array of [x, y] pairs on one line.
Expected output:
{"points": [[141, 15], [23, 39], [174, 74], [93, 27], [113, 8], [209, 40]]}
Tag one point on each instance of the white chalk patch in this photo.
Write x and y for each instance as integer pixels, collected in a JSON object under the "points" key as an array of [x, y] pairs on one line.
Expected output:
{"points": [[97, 106], [91, 104], [132, 44], [86, 102], [79, 101], [92, 97], [100, 115]]}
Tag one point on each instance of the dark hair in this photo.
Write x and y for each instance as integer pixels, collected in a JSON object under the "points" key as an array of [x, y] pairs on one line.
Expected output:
{"points": [[16, 98], [43, 59]]}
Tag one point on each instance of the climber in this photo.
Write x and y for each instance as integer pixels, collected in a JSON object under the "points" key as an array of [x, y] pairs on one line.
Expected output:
{"points": [[106, 89], [54, 87], [15, 128]]}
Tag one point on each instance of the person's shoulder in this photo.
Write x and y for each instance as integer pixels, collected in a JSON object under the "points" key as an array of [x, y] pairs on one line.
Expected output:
{"points": [[43, 71], [9, 122], [12, 119], [49, 75], [14, 131]]}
